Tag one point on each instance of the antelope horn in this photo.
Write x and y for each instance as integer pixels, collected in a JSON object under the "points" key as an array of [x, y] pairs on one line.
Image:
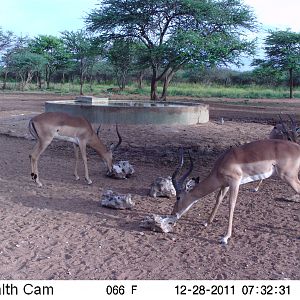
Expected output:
{"points": [[98, 130], [175, 184], [179, 185], [113, 148], [294, 128], [284, 130], [293, 123]]}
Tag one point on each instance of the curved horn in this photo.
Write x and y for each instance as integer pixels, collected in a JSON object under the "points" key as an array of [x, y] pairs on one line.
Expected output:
{"points": [[294, 134], [179, 184], [113, 148], [284, 129], [175, 184], [98, 130]]}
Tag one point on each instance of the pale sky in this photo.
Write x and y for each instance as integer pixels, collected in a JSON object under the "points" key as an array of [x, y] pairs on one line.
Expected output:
{"points": [[34, 17]]}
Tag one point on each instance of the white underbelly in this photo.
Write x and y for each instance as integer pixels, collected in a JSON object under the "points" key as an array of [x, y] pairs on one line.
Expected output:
{"points": [[71, 139], [256, 177]]}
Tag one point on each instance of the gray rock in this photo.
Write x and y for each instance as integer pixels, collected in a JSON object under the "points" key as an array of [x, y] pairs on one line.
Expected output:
{"points": [[115, 200], [122, 170], [159, 223], [162, 187]]}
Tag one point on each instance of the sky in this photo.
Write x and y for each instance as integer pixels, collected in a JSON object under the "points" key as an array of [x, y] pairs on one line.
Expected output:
{"points": [[34, 17], [51, 17]]}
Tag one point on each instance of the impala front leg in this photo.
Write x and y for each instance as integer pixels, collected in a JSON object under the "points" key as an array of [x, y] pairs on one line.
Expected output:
{"points": [[233, 196], [86, 171], [76, 150], [221, 195]]}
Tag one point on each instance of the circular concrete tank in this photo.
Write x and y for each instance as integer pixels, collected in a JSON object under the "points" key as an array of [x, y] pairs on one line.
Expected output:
{"points": [[132, 111]]}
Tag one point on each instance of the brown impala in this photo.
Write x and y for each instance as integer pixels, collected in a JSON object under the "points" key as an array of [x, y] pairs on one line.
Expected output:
{"points": [[283, 131], [238, 165], [47, 126]]}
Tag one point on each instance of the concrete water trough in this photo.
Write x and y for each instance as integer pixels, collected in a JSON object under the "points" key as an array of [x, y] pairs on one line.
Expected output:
{"points": [[102, 110]]}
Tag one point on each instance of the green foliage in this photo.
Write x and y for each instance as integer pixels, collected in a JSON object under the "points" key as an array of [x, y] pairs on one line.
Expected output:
{"points": [[177, 32], [6, 39], [53, 50], [282, 49], [25, 63]]}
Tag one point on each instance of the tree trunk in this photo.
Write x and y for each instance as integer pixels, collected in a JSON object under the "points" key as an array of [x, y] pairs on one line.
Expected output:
{"points": [[140, 80], [291, 82], [4, 81], [47, 77], [63, 78], [167, 80], [81, 77], [153, 93]]}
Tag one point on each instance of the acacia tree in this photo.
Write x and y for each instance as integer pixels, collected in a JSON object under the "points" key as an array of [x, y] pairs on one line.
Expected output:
{"points": [[282, 49], [121, 55], [83, 50], [53, 50], [176, 32], [25, 64]]}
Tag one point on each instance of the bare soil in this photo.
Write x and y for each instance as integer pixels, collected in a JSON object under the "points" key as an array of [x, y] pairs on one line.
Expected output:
{"points": [[60, 231]]}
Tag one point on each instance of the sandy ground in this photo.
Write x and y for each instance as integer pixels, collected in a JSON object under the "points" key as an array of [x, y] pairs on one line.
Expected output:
{"points": [[60, 231]]}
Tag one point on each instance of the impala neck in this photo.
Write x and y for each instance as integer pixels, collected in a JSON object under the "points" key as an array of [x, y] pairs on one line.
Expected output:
{"points": [[187, 199], [103, 152]]}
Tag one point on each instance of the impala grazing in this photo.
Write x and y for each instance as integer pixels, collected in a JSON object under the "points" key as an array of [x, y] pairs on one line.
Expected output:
{"points": [[58, 125], [238, 165]]}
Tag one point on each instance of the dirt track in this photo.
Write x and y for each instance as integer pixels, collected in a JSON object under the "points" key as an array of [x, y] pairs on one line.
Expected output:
{"points": [[61, 232]]}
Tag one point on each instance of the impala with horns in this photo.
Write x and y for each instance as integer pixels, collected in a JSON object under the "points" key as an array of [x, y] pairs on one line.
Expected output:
{"points": [[282, 131], [58, 125], [239, 165]]}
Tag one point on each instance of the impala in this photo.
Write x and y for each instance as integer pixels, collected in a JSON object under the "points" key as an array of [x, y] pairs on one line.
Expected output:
{"points": [[282, 131], [58, 125], [239, 165]]}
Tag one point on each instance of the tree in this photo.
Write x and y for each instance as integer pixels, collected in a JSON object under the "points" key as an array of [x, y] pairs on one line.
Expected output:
{"points": [[175, 33], [282, 49], [25, 63], [15, 45], [52, 49], [121, 56], [83, 50], [6, 39]]}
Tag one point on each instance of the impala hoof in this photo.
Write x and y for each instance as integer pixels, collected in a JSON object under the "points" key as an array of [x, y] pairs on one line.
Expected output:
{"points": [[224, 241], [89, 181]]}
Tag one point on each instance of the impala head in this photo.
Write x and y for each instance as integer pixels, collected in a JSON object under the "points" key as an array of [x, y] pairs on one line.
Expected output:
{"points": [[182, 193], [108, 155], [283, 131]]}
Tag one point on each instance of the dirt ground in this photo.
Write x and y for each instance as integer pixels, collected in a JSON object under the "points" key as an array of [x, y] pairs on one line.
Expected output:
{"points": [[60, 231]]}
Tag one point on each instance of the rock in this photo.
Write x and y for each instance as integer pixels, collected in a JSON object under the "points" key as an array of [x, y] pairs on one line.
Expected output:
{"points": [[159, 223], [162, 187], [121, 170], [115, 200]]}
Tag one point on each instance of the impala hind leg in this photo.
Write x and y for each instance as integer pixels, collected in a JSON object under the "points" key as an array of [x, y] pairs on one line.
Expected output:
{"points": [[222, 193], [291, 178], [83, 154], [234, 190], [76, 150], [38, 149]]}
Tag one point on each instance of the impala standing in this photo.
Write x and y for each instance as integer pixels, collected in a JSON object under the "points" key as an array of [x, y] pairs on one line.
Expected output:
{"points": [[281, 131], [238, 165], [47, 126]]}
